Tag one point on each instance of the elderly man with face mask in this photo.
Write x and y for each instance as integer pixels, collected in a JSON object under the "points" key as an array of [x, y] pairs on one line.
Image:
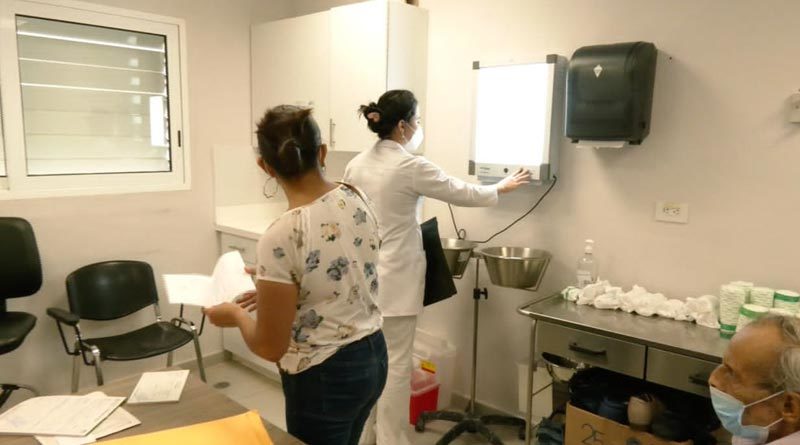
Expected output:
{"points": [[756, 390]]}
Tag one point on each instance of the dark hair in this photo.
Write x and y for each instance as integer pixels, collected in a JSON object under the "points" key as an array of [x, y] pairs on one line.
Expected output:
{"points": [[289, 140], [393, 106]]}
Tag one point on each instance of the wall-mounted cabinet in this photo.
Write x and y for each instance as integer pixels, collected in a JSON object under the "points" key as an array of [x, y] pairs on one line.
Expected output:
{"points": [[336, 60]]}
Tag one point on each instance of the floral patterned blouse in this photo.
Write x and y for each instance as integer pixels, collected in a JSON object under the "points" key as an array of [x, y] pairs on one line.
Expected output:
{"points": [[329, 249]]}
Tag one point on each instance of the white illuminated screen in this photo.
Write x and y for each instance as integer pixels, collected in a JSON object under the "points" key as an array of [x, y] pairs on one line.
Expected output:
{"points": [[512, 118]]}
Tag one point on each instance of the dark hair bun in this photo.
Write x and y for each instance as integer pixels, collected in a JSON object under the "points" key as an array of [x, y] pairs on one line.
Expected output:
{"points": [[392, 107], [289, 140], [290, 155]]}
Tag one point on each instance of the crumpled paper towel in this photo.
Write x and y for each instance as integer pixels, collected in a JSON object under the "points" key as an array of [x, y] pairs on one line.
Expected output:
{"points": [[592, 291], [647, 305], [630, 299], [704, 310], [610, 299], [602, 295], [674, 309], [570, 293]]}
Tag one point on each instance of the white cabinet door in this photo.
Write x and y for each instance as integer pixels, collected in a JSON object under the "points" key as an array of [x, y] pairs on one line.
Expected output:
{"points": [[232, 340], [358, 64], [289, 63]]}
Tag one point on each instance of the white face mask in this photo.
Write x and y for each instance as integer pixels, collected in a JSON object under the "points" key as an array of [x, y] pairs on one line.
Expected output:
{"points": [[412, 145]]}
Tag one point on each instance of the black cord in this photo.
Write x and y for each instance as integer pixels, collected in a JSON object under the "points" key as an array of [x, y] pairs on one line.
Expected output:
{"points": [[541, 198], [460, 233]]}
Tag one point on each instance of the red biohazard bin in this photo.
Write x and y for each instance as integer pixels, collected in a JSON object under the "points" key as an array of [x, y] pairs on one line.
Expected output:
{"points": [[424, 394]]}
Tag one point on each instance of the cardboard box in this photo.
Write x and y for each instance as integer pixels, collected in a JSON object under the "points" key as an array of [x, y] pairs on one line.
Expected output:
{"points": [[585, 428]]}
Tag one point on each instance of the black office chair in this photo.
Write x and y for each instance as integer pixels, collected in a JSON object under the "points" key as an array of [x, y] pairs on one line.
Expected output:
{"points": [[20, 276], [112, 290]]}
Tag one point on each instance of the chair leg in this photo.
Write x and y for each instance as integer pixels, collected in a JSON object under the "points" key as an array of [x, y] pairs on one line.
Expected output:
{"points": [[169, 359], [76, 369], [76, 373], [96, 362], [199, 354]]}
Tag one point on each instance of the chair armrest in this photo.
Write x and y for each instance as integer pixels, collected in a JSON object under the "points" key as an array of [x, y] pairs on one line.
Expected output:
{"points": [[63, 316], [177, 321], [70, 319]]}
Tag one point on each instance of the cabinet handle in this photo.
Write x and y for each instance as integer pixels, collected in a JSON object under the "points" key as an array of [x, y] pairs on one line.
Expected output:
{"points": [[699, 379], [332, 130], [574, 346], [240, 249]]}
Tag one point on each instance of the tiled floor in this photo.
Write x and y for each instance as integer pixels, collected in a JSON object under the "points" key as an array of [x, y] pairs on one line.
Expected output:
{"points": [[260, 393]]}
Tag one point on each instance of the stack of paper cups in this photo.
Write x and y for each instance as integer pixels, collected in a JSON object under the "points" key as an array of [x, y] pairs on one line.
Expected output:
{"points": [[747, 286], [787, 299], [725, 332], [731, 299], [762, 296], [782, 312], [750, 313]]}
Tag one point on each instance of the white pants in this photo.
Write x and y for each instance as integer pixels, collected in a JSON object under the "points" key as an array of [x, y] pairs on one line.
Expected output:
{"points": [[389, 418]]}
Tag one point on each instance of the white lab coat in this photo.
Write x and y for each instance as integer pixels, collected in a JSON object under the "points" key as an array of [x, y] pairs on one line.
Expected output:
{"points": [[395, 180]]}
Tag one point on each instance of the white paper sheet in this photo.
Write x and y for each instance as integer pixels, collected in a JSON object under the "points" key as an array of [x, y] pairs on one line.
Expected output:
{"points": [[159, 387], [228, 281], [58, 415], [119, 420]]}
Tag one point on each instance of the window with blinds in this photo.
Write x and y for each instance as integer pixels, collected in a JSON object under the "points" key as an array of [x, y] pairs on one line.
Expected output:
{"points": [[94, 99]]}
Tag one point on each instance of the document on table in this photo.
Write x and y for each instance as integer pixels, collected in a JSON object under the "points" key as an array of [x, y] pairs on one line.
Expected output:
{"points": [[119, 420], [243, 429], [58, 415], [228, 281], [159, 387]]}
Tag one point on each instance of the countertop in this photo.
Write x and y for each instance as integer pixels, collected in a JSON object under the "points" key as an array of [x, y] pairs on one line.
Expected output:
{"points": [[679, 337], [249, 220]]}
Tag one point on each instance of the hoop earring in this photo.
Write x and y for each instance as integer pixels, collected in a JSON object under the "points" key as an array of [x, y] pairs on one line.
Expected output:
{"points": [[274, 191]]}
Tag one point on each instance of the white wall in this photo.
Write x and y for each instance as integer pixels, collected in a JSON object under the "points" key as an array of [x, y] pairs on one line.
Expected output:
{"points": [[720, 141], [173, 231]]}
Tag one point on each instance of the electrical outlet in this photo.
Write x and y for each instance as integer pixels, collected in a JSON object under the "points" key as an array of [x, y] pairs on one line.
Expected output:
{"points": [[674, 212]]}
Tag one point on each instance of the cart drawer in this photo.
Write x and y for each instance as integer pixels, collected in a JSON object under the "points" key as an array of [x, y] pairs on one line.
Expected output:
{"points": [[679, 371], [596, 350]]}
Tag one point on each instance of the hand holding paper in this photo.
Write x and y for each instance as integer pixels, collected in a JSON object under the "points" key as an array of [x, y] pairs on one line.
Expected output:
{"points": [[228, 281]]}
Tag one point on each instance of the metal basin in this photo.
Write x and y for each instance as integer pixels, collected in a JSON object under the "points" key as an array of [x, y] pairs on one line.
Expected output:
{"points": [[457, 252], [517, 267]]}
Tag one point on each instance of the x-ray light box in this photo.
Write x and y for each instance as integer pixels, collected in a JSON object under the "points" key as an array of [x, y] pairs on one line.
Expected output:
{"points": [[518, 119]]}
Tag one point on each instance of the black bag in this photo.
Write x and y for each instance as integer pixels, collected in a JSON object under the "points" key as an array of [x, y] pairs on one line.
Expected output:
{"points": [[439, 283]]}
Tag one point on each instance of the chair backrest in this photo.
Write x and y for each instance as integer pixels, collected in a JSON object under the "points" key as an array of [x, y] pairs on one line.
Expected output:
{"points": [[20, 266], [111, 289]]}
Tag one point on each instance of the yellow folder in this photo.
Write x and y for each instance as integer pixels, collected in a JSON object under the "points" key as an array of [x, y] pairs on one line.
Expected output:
{"points": [[242, 429]]}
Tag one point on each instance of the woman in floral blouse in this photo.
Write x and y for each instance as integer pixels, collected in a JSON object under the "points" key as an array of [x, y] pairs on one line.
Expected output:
{"points": [[316, 283]]}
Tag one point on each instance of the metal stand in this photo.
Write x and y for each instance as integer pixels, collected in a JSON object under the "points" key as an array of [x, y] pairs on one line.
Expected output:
{"points": [[469, 421]]}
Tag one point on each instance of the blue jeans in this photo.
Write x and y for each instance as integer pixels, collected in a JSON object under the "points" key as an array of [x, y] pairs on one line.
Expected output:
{"points": [[329, 403]]}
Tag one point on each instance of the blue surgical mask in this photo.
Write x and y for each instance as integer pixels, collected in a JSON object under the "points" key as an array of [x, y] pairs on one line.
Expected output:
{"points": [[730, 412]]}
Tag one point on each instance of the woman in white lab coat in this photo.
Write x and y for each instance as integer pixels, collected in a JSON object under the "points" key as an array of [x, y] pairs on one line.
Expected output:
{"points": [[396, 180]]}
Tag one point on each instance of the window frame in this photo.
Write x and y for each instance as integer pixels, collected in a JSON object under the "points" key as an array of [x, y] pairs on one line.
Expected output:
{"points": [[18, 184]]}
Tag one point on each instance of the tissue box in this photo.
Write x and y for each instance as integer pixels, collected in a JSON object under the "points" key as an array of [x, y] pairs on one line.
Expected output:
{"points": [[584, 427]]}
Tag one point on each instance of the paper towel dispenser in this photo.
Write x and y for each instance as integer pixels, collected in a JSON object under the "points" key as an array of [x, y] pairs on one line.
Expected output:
{"points": [[518, 118], [610, 92]]}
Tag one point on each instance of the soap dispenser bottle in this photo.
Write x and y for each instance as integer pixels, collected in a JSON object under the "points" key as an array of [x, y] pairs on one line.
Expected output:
{"points": [[587, 266]]}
